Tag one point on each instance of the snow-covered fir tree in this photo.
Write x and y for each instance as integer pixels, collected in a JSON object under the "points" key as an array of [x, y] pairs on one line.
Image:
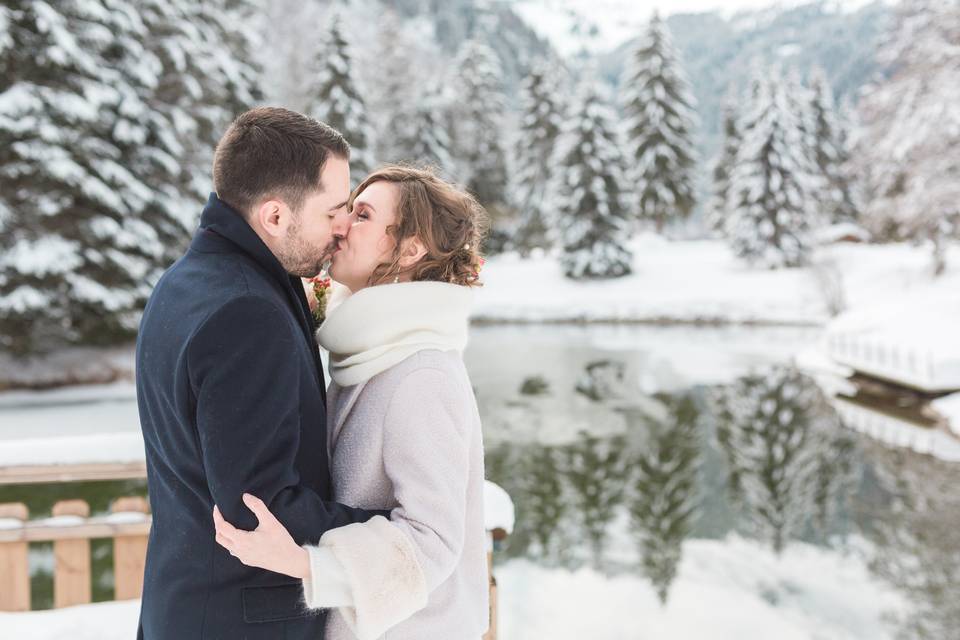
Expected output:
{"points": [[663, 495], [910, 121], [766, 431], [394, 90], [830, 153], [424, 137], [479, 126], [835, 476], [723, 166], [337, 100], [206, 77], [90, 180], [592, 216], [545, 501], [660, 121], [917, 549], [533, 183], [772, 187], [595, 475]]}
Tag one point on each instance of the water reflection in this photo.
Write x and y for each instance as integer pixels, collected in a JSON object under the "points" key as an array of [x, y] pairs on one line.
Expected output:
{"points": [[788, 461], [609, 475], [918, 540]]}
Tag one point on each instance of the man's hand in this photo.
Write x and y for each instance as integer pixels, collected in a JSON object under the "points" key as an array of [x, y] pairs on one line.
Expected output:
{"points": [[269, 546]]}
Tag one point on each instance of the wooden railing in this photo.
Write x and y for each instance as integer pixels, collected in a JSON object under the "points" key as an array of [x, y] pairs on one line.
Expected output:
{"points": [[71, 528]]}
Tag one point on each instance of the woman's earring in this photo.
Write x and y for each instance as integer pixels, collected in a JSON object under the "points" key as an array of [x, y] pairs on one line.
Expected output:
{"points": [[396, 279]]}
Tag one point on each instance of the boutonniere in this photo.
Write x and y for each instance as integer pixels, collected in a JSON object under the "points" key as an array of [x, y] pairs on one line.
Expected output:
{"points": [[321, 291]]}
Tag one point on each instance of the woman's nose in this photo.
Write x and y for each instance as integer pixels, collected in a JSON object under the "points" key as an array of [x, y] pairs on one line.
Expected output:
{"points": [[342, 224]]}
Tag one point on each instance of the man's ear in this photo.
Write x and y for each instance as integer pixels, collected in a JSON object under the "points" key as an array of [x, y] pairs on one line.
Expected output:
{"points": [[272, 216], [413, 251]]}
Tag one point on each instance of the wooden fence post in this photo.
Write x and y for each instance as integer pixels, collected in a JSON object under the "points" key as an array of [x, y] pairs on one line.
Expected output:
{"points": [[129, 552], [15, 594], [71, 569], [494, 537]]}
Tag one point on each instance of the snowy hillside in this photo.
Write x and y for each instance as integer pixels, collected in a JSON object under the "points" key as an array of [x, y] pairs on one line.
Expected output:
{"points": [[599, 26]]}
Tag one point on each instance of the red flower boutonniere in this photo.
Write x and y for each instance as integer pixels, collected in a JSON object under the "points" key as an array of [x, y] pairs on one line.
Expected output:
{"points": [[321, 291]]}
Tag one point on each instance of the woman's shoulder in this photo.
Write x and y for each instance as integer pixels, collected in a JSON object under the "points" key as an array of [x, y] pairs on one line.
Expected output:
{"points": [[444, 370]]}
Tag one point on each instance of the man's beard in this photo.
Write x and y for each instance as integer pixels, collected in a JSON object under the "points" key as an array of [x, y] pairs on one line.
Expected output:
{"points": [[300, 258]]}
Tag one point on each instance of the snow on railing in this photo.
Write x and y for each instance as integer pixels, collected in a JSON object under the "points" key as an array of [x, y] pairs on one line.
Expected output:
{"points": [[914, 347]]}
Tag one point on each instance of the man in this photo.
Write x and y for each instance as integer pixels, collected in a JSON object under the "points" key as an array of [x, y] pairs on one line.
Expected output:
{"points": [[230, 387]]}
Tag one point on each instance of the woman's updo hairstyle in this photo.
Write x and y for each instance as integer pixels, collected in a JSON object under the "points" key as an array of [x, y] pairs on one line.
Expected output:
{"points": [[449, 222]]}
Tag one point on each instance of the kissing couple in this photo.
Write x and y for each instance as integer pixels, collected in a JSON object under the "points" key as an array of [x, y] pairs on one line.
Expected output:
{"points": [[282, 509]]}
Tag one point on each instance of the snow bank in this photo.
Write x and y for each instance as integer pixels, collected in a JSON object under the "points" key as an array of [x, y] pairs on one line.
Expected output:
{"points": [[102, 621], [731, 589], [949, 408], [703, 282], [498, 510], [84, 449]]}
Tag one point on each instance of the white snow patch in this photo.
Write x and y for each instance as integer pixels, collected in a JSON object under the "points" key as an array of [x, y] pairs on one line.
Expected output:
{"points": [[498, 509], [732, 589], [91, 448]]}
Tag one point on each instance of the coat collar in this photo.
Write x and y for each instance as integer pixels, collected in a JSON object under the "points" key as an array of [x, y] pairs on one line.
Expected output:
{"points": [[220, 222], [223, 229]]}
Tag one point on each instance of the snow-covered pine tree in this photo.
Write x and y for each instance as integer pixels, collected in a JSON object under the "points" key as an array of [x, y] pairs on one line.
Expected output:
{"points": [[533, 185], [479, 126], [394, 93], [89, 184], [917, 550], [660, 121], [592, 216], [546, 503], [723, 166], [771, 188], [906, 149], [424, 138], [337, 100], [207, 77], [663, 497], [765, 430], [596, 473], [830, 153], [836, 476]]}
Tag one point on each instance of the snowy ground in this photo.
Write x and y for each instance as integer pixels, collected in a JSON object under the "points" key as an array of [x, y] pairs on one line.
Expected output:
{"points": [[731, 589], [702, 282]]}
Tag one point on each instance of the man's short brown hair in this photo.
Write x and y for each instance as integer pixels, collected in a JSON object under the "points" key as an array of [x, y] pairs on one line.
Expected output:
{"points": [[271, 152]]}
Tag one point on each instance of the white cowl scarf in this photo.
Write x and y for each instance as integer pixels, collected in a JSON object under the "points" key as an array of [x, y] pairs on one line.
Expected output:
{"points": [[380, 326]]}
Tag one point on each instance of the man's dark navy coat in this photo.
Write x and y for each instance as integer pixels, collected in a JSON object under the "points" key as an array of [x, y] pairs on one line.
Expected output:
{"points": [[231, 396]]}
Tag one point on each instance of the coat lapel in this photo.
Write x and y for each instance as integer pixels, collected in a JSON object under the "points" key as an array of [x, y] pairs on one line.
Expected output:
{"points": [[340, 409]]}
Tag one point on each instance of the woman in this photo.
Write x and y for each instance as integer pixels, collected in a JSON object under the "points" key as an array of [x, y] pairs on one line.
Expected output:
{"points": [[403, 426]]}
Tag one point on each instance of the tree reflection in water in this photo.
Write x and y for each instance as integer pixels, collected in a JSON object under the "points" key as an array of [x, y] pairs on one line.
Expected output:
{"points": [[766, 448]]}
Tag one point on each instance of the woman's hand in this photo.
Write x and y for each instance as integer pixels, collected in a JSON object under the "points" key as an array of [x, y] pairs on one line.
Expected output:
{"points": [[269, 546]]}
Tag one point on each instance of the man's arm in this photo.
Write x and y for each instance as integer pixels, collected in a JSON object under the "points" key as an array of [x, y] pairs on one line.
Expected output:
{"points": [[242, 365]]}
